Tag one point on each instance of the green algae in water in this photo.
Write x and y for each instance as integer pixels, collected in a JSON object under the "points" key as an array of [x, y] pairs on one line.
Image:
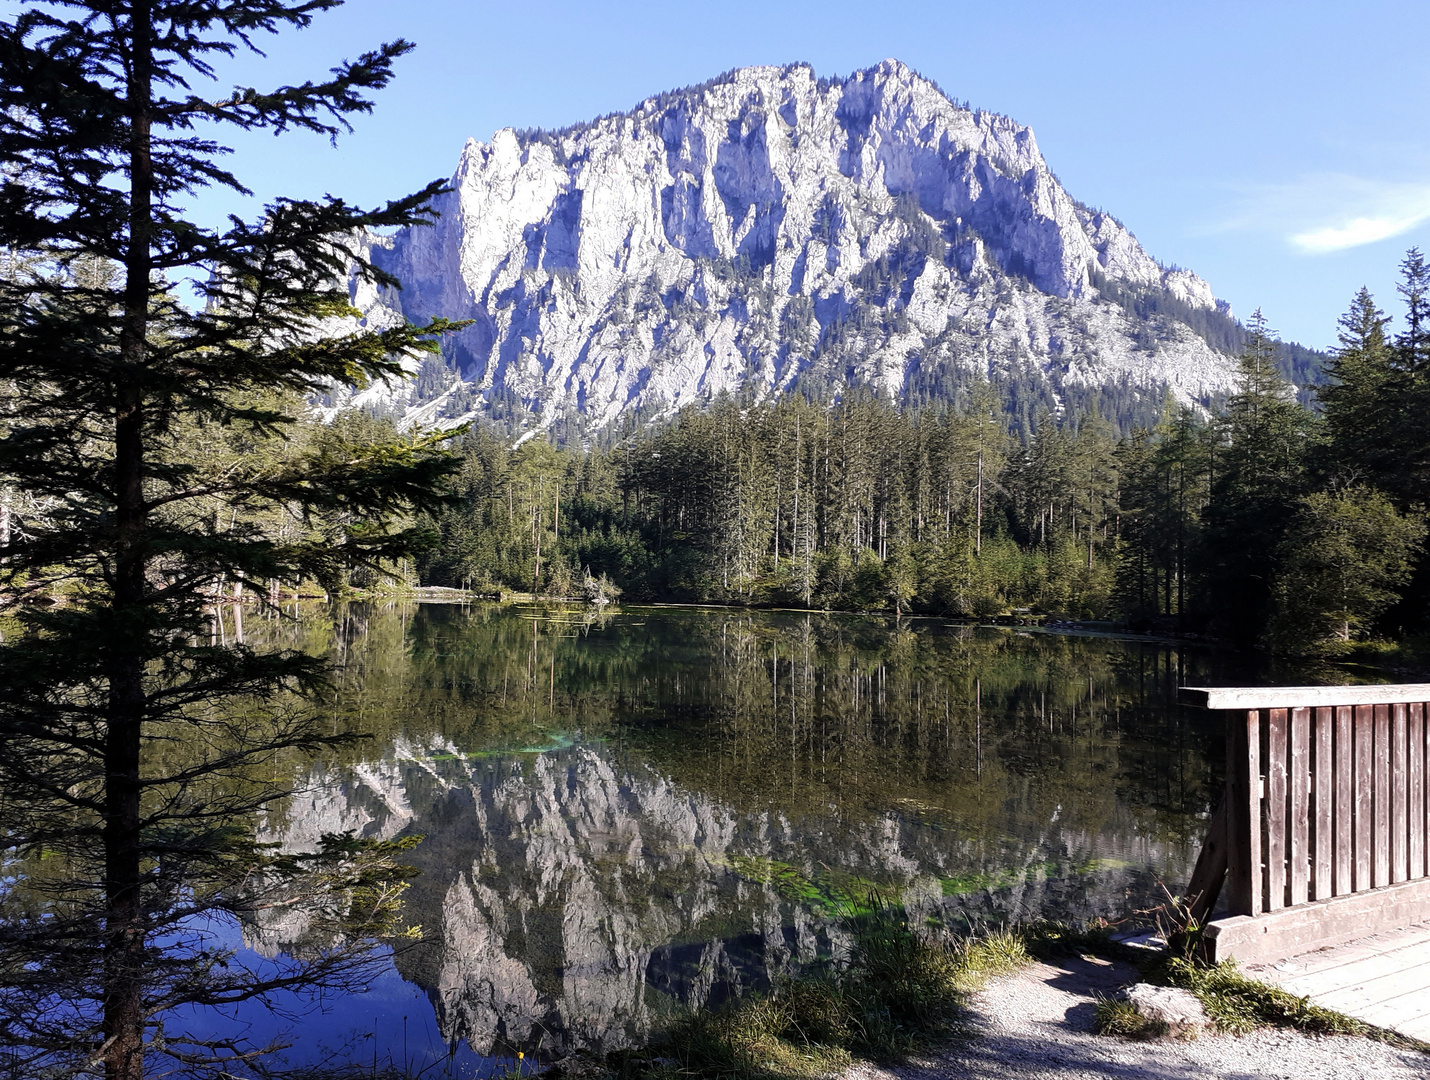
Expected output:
{"points": [[831, 892], [964, 884]]}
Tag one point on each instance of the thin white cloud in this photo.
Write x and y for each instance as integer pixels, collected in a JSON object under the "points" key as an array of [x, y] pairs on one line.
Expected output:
{"points": [[1394, 221], [1329, 212]]}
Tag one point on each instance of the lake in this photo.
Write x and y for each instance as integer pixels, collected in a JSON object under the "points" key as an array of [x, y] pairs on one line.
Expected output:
{"points": [[626, 812]]}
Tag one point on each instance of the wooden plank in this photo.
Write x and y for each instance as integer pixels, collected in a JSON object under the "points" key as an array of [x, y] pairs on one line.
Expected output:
{"points": [[1243, 776], [1364, 804], [1416, 1029], [1273, 809], [1323, 787], [1288, 697], [1381, 874], [1416, 1018], [1391, 981], [1383, 979], [1327, 961], [1399, 795], [1298, 813], [1415, 743], [1405, 1014], [1377, 973], [1423, 816], [1344, 812], [1416, 1011], [1209, 875], [1271, 937]]}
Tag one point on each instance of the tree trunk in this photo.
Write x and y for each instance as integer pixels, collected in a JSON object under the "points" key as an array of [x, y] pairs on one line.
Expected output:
{"points": [[1182, 548], [124, 935], [123, 1022], [978, 511], [536, 535]]}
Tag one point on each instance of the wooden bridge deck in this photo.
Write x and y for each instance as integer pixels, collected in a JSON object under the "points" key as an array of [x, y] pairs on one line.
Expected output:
{"points": [[1383, 979]]}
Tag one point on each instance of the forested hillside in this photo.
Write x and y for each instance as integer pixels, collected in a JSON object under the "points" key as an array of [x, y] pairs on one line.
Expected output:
{"points": [[1269, 519]]}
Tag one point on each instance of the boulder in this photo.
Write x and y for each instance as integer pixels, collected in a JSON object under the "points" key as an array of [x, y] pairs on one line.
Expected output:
{"points": [[1178, 1009]]}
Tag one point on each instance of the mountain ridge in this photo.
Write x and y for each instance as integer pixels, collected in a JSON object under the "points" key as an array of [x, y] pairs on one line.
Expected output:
{"points": [[770, 231]]}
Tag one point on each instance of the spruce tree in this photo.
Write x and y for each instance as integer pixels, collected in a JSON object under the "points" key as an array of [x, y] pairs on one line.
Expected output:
{"points": [[1403, 470], [1259, 474], [1375, 401], [1411, 465], [134, 754], [1363, 398], [1138, 582], [1345, 559], [1413, 345], [1093, 478]]}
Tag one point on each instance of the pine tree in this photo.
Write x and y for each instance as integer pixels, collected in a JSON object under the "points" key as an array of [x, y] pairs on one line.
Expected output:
{"points": [[1041, 481], [1344, 560], [1410, 466], [1165, 476], [133, 753], [1260, 473], [1093, 478], [1402, 471], [1412, 347], [1375, 409], [1364, 396], [1136, 588]]}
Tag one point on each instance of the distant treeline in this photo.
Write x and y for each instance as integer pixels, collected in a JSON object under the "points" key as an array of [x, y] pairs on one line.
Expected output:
{"points": [[1272, 520]]}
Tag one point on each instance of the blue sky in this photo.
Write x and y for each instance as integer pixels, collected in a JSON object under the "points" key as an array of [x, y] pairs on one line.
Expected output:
{"points": [[1280, 150]]}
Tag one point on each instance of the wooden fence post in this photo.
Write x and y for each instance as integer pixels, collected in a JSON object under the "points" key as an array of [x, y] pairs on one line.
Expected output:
{"points": [[1243, 784], [1323, 795]]}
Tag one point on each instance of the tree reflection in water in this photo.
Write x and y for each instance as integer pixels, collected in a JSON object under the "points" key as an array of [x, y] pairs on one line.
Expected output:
{"points": [[629, 811]]}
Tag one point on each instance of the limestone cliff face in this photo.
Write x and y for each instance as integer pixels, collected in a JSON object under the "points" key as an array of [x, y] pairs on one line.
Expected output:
{"points": [[571, 897], [771, 227]]}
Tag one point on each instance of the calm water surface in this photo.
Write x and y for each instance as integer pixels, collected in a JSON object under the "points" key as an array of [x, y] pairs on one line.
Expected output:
{"points": [[631, 811]]}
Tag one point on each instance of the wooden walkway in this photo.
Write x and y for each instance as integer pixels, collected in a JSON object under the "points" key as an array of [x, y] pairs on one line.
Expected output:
{"points": [[1383, 979]]}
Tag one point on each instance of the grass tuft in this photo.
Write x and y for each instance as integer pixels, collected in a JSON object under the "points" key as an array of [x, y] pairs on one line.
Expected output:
{"points": [[1238, 1004], [901, 991], [996, 953], [793, 1032], [1045, 940], [1114, 1017]]}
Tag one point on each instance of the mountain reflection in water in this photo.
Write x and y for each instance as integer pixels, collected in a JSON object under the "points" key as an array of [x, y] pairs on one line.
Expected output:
{"points": [[660, 807]]}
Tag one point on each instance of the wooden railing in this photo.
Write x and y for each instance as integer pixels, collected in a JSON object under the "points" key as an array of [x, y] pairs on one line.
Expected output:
{"points": [[1327, 796]]}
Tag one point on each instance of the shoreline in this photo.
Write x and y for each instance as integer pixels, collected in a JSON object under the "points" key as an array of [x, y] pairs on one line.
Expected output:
{"points": [[1354, 664]]}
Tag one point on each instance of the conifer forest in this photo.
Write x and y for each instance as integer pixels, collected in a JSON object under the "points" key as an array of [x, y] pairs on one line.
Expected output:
{"points": [[1269, 520]]}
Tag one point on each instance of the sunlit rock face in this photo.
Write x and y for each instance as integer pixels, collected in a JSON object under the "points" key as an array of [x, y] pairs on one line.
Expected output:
{"points": [[771, 229], [571, 897]]}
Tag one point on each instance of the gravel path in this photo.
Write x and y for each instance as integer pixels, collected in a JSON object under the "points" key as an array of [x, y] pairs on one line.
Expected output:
{"points": [[1037, 1023]]}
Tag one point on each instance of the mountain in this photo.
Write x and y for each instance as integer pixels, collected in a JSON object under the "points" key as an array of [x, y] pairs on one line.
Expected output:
{"points": [[771, 231], [571, 898]]}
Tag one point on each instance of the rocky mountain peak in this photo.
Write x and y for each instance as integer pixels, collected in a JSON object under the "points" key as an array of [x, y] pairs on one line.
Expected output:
{"points": [[771, 231]]}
